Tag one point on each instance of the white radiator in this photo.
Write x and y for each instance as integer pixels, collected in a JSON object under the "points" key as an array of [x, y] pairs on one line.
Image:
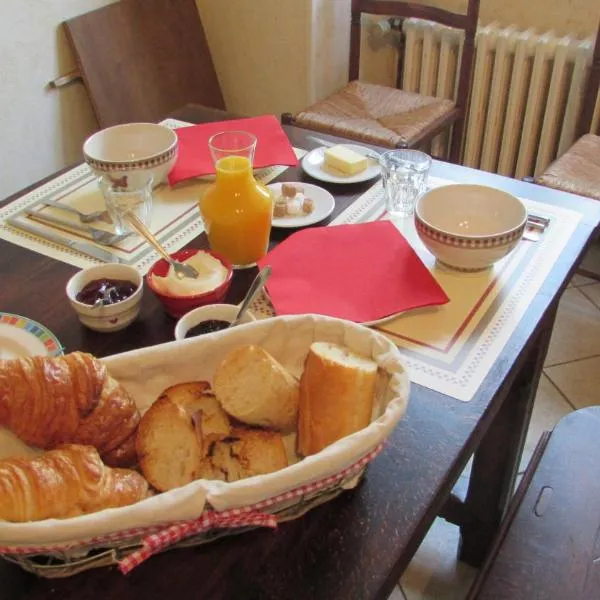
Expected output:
{"points": [[526, 95]]}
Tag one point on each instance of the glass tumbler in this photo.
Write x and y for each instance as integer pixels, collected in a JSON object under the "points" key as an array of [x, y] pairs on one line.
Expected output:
{"points": [[236, 209], [124, 195], [404, 174]]}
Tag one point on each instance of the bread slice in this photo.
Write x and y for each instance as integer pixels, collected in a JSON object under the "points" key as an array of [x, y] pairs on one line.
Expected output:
{"points": [[167, 446], [337, 390], [199, 402], [255, 389], [247, 452]]}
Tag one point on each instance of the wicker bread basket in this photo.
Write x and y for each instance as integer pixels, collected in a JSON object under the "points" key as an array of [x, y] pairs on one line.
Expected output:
{"points": [[205, 510]]}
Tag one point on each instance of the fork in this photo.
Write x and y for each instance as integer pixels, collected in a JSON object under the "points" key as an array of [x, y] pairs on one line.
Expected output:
{"points": [[99, 236], [97, 215]]}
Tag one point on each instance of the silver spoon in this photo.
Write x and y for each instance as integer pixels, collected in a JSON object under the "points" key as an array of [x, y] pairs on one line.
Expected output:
{"points": [[181, 270], [255, 287], [105, 298]]}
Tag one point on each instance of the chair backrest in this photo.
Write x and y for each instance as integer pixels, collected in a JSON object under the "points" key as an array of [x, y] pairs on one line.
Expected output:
{"points": [[141, 59], [405, 10], [584, 124]]}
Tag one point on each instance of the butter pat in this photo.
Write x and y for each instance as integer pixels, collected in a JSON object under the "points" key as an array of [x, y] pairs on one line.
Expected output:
{"points": [[345, 160], [211, 274]]}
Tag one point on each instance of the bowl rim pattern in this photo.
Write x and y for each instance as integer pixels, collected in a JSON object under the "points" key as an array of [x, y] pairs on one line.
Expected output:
{"points": [[470, 242], [144, 163]]}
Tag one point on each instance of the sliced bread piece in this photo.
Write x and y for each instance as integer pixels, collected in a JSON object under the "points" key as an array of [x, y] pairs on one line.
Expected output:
{"points": [[255, 389], [248, 452], [167, 445], [199, 402], [337, 390]]}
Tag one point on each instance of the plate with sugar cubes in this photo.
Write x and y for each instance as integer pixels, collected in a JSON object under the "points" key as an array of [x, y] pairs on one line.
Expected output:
{"points": [[298, 204], [342, 163]]}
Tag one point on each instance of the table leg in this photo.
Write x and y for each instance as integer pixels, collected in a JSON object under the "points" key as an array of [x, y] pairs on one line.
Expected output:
{"points": [[496, 460]]}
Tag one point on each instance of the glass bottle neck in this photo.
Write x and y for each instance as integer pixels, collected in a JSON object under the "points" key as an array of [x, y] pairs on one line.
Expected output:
{"points": [[233, 170]]}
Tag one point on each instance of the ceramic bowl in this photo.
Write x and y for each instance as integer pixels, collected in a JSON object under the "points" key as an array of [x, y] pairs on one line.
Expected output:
{"points": [[469, 227], [218, 312], [112, 317], [132, 151], [177, 306]]}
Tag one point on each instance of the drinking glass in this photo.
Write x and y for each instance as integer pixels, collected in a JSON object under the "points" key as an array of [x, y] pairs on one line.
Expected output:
{"points": [[404, 174], [237, 210], [125, 195]]}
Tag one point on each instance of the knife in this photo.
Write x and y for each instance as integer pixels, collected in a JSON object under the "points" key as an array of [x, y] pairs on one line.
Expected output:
{"points": [[364, 150], [84, 247], [98, 235]]}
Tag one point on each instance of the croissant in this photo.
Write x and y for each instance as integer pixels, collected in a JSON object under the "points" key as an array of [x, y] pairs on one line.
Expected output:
{"points": [[69, 399], [65, 482]]}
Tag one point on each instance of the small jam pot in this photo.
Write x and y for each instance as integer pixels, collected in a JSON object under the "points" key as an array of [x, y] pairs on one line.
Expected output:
{"points": [[109, 317], [210, 312]]}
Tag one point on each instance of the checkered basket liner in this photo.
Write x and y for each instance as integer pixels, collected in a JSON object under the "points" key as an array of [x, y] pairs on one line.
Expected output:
{"points": [[130, 548]]}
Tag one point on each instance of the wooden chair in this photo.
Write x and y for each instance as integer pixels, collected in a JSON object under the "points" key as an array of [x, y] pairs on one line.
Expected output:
{"points": [[548, 545], [578, 169], [392, 117], [142, 59]]}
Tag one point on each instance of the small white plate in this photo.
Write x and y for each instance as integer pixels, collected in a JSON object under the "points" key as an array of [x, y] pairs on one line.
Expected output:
{"points": [[383, 319], [21, 337], [324, 205], [313, 164]]}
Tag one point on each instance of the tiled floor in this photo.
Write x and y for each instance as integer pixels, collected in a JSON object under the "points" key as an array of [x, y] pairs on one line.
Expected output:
{"points": [[571, 380]]}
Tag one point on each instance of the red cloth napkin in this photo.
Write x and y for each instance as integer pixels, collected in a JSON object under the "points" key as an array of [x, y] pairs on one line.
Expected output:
{"points": [[272, 147], [357, 272]]}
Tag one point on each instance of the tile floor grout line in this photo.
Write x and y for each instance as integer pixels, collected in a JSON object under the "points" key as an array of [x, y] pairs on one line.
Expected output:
{"points": [[564, 396], [590, 299], [572, 361]]}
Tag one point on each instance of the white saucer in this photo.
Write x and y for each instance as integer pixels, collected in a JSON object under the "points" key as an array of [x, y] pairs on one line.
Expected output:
{"points": [[324, 205], [312, 164]]}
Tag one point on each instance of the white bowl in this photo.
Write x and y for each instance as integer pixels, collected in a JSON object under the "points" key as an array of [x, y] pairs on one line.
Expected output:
{"points": [[112, 317], [220, 312], [469, 227], [133, 151]]}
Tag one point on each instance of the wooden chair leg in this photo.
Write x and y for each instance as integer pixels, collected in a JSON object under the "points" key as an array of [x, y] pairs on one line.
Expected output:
{"points": [[457, 138]]}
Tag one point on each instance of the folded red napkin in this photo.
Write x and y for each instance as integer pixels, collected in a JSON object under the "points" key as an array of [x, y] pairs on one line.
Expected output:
{"points": [[272, 147], [357, 272]]}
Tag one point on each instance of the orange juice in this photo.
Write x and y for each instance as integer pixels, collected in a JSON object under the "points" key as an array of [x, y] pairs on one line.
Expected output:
{"points": [[237, 212]]}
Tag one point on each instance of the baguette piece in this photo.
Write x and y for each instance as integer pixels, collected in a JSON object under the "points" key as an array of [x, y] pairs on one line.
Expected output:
{"points": [[337, 390], [245, 453], [255, 389], [66, 482], [176, 433]]}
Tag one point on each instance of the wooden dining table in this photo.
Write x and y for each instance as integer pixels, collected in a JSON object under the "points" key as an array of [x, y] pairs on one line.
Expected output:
{"points": [[357, 545]]}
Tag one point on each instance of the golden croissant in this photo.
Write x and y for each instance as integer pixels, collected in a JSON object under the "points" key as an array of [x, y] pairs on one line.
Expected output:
{"points": [[69, 399], [65, 482]]}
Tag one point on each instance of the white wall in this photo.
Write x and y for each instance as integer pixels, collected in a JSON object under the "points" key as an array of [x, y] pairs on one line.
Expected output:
{"points": [[42, 129]]}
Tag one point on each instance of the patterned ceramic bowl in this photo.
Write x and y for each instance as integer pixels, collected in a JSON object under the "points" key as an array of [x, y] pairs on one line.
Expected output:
{"points": [[111, 317], [124, 153], [469, 227]]}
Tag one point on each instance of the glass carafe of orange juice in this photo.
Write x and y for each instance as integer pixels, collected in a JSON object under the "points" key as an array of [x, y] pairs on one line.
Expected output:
{"points": [[237, 210]]}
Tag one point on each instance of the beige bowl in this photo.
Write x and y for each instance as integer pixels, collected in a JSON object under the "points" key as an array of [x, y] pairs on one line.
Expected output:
{"points": [[112, 317], [133, 151], [469, 227]]}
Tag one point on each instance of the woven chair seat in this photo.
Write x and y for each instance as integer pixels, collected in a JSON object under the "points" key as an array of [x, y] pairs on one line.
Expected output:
{"points": [[577, 170], [375, 114]]}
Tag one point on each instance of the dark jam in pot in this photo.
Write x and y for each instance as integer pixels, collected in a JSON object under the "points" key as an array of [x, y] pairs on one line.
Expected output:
{"points": [[118, 290], [208, 326]]}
